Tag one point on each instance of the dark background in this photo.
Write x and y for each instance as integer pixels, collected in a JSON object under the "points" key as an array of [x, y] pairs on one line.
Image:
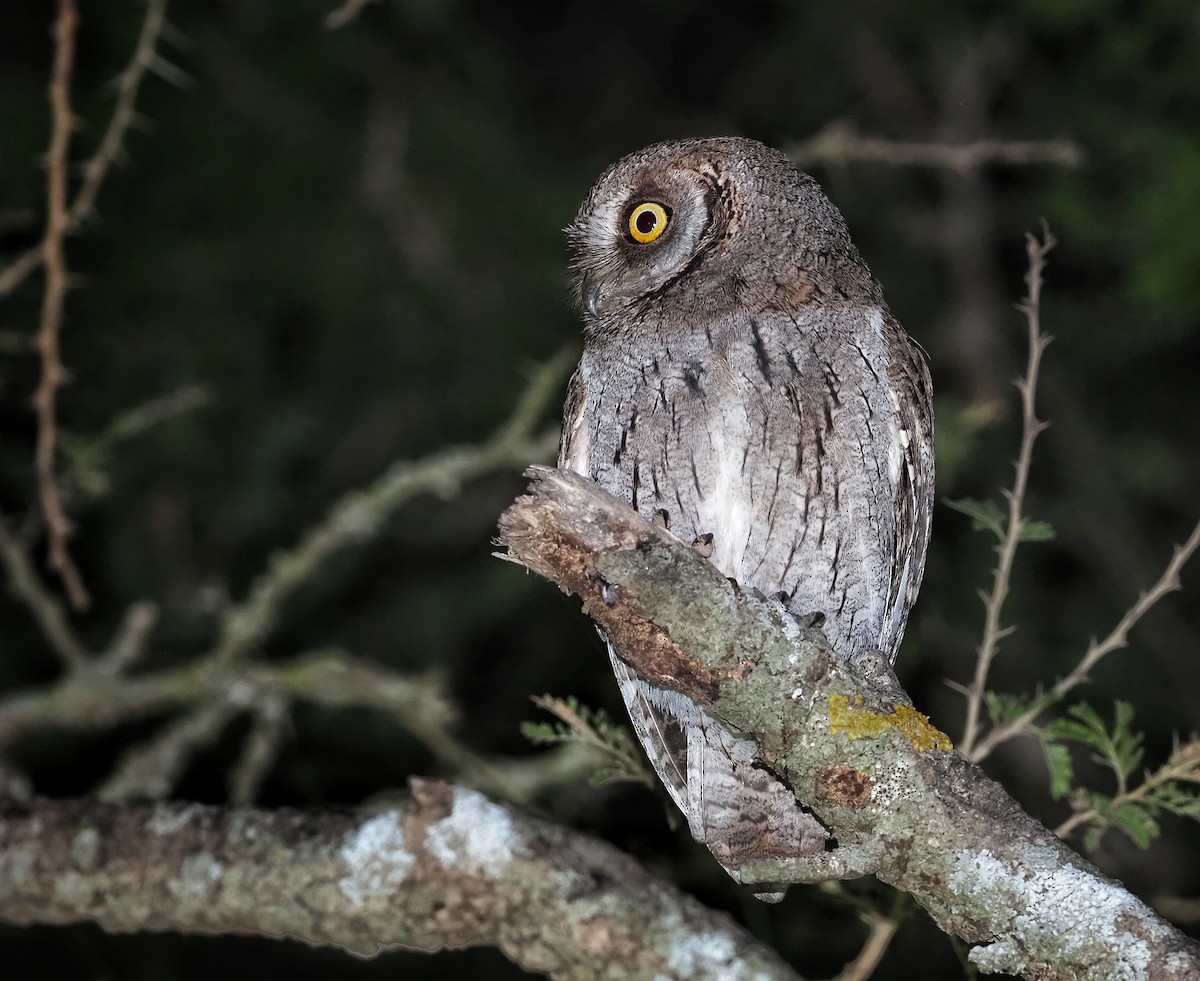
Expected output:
{"points": [[352, 240]]}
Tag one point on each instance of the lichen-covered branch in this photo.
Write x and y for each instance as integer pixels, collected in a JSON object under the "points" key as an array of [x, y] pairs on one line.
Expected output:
{"points": [[448, 868], [899, 801]]}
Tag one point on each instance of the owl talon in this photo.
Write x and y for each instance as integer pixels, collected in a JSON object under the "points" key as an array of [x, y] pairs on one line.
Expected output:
{"points": [[703, 545], [660, 519]]}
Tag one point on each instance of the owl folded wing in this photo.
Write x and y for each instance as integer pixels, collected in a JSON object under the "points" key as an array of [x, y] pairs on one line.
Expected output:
{"points": [[738, 809]]}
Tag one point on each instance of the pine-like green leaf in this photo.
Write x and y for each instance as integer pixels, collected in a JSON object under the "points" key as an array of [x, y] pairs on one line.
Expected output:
{"points": [[541, 733], [984, 515], [1119, 748], [1138, 822], [1058, 760], [1178, 800], [1037, 531], [1084, 725]]}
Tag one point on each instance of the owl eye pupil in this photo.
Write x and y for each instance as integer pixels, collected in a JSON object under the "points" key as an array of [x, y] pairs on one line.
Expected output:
{"points": [[647, 222]]}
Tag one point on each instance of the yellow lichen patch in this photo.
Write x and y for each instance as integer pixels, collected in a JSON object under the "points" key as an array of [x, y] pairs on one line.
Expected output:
{"points": [[858, 723]]}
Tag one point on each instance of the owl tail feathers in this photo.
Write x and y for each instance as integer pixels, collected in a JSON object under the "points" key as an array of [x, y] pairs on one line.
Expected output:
{"points": [[785, 831]]}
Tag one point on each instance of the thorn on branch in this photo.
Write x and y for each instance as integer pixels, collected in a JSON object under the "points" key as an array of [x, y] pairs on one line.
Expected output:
{"points": [[58, 525]]}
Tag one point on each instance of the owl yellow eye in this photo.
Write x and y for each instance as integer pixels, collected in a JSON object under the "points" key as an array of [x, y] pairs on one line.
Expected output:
{"points": [[648, 221]]}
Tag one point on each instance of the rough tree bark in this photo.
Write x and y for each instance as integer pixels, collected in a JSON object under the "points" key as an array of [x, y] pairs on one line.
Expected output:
{"points": [[449, 868], [901, 804]]}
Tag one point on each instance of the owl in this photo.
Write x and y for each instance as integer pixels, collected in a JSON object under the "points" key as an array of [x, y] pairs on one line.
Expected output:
{"points": [[744, 385]]}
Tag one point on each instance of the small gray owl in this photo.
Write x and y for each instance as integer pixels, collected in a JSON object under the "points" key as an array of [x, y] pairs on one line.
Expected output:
{"points": [[742, 378]]}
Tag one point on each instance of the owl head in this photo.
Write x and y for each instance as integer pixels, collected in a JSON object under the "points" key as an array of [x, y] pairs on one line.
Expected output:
{"points": [[708, 224]]}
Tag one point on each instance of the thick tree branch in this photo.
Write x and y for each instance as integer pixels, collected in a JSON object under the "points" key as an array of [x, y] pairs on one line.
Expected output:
{"points": [[449, 868], [846, 739]]}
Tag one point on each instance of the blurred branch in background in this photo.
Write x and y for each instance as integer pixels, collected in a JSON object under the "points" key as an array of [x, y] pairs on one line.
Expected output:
{"points": [[64, 216], [111, 147], [224, 683], [841, 143], [344, 14], [359, 516]]}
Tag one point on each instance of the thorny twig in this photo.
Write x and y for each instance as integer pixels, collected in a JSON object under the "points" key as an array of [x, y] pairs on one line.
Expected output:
{"points": [[145, 57], [58, 526], [993, 632], [1116, 639]]}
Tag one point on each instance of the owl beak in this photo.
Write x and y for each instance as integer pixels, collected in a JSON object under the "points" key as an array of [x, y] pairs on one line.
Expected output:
{"points": [[590, 292]]}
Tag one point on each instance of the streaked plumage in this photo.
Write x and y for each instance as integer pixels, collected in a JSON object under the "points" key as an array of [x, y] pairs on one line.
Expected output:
{"points": [[742, 377]]}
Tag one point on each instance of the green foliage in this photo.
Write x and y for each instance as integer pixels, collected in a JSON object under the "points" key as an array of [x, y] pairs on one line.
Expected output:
{"points": [[1134, 810], [987, 516], [1119, 748], [984, 515], [591, 727]]}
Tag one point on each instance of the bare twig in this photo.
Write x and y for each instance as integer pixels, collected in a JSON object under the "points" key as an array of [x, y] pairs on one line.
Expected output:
{"points": [[993, 632], [271, 725], [359, 515], [151, 771], [881, 930], [58, 526], [129, 642], [840, 143], [96, 700], [110, 148], [85, 473], [129, 81], [1116, 639], [347, 12], [25, 583]]}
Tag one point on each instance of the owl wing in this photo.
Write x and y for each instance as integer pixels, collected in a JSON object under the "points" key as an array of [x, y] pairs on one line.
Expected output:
{"points": [[908, 373], [732, 805], [572, 442]]}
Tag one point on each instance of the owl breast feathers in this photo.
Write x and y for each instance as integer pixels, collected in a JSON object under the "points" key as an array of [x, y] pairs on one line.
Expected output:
{"points": [[743, 378]]}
